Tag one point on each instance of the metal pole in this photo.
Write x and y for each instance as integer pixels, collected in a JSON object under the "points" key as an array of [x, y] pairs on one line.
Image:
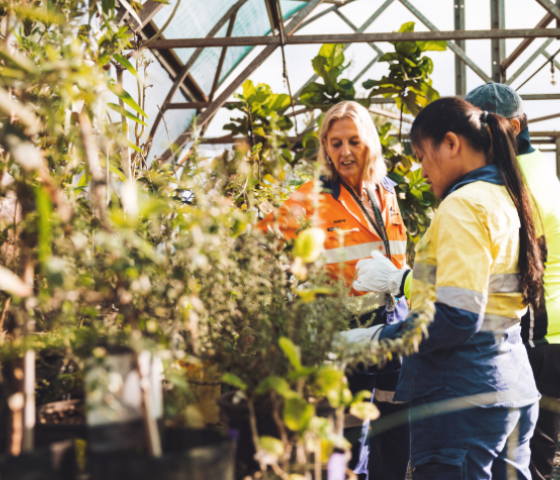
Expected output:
{"points": [[460, 67], [497, 20]]}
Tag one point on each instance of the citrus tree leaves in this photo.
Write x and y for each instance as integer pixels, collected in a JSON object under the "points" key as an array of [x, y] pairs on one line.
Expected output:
{"points": [[408, 82], [260, 107], [329, 65]]}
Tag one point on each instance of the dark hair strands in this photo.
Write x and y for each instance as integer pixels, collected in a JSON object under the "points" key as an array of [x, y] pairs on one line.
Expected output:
{"points": [[496, 139]]}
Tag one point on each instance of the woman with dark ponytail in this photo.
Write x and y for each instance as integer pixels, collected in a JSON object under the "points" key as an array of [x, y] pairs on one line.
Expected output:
{"points": [[472, 392]]}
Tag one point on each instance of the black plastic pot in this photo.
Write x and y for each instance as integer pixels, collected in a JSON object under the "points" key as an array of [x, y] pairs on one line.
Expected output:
{"points": [[47, 432], [237, 416], [189, 454], [58, 462]]}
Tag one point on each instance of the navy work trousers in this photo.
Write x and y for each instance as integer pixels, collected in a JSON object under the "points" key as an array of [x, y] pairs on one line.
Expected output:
{"points": [[474, 444], [380, 455]]}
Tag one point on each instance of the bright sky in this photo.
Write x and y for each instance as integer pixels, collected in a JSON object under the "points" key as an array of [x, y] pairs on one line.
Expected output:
{"points": [[519, 14]]}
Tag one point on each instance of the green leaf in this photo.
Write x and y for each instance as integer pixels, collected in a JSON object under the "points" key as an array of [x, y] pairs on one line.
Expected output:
{"points": [[433, 45], [126, 113], [334, 53], [297, 414], [134, 147], [126, 64], [126, 98], [291, 351], [407, 27], [309, 295], [234, 381], [84, 180], [309, 244], [248, 89], [364, 411], [272, 445], [329, 383], [18, 61], [361, 396], [406, 48], [44, 212], [278, 384], [108, 5]]}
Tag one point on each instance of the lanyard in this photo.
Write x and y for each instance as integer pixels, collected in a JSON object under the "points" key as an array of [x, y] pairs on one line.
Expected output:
{"points": [[379, 226], [381, 231]]}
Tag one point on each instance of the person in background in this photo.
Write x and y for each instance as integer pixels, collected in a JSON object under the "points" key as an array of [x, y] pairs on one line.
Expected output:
{"points": [[470, 382], [358, 210], [540, 328]]}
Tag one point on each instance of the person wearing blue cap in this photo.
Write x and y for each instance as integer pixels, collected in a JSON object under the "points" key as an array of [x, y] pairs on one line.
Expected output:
{"points": [[540, 330]]}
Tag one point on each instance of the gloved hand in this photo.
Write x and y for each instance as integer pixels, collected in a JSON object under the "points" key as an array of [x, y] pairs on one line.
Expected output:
{"points": [[358, 337], [378, 274]]}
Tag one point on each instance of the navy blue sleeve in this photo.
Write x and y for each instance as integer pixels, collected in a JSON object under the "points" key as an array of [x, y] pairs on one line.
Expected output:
{"points": [[451, 327]]}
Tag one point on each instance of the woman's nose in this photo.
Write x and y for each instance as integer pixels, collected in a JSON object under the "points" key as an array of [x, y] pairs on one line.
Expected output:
{"points": [[345, 151]]}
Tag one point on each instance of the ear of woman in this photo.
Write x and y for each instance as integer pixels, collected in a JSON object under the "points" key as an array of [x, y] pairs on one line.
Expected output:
{"points": [[444, 165]]}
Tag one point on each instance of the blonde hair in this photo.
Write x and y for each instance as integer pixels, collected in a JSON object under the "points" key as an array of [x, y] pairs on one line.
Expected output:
{"points": [[375, 168]]}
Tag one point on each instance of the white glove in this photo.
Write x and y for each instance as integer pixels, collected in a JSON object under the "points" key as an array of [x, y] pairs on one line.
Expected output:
{"points": [[378, 274], [358, 337]]}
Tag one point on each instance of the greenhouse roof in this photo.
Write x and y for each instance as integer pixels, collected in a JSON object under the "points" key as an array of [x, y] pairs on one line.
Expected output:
{"points": [[208, 48]]}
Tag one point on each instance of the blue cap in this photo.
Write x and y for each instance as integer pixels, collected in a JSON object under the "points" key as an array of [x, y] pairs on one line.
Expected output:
{"points": [[496, 98]]}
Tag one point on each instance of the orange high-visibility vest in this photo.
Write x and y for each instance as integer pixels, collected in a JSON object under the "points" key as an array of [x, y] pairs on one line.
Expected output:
{"points": [[350, 237]]}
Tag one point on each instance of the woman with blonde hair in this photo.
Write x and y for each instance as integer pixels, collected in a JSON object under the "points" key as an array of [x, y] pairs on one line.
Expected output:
{"points": [[357, 208]]}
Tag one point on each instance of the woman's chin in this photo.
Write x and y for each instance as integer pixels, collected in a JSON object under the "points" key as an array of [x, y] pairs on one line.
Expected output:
{"points": [[348, 171]]}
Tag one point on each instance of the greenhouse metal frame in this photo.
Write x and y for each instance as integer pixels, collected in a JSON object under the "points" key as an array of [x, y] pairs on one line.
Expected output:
{"points": [[282, 30]]}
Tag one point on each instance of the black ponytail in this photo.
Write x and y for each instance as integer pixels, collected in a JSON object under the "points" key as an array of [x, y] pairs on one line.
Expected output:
{"points": [[494, 136]]}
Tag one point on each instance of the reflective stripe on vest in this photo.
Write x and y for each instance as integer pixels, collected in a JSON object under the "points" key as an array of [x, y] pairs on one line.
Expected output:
{"points": [[498, 282], [363, 250]]}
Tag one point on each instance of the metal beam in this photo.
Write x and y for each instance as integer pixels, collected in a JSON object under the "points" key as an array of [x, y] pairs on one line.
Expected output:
{"points": [[530, 60], [497, 22], [362, 38], [550, 8], [172, 64], [216, 81], [542, 119], [186, 68], [148, 11], [549, 56], [460, 67], [234, 85], [525, 43], [552, 134], [322, 14], [366, 24], [541, 96], [455, 48], [367, 67]]}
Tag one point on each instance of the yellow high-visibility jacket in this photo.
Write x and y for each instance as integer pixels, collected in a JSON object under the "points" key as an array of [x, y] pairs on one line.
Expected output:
{"points": [[467, 265], [543, 326]]}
